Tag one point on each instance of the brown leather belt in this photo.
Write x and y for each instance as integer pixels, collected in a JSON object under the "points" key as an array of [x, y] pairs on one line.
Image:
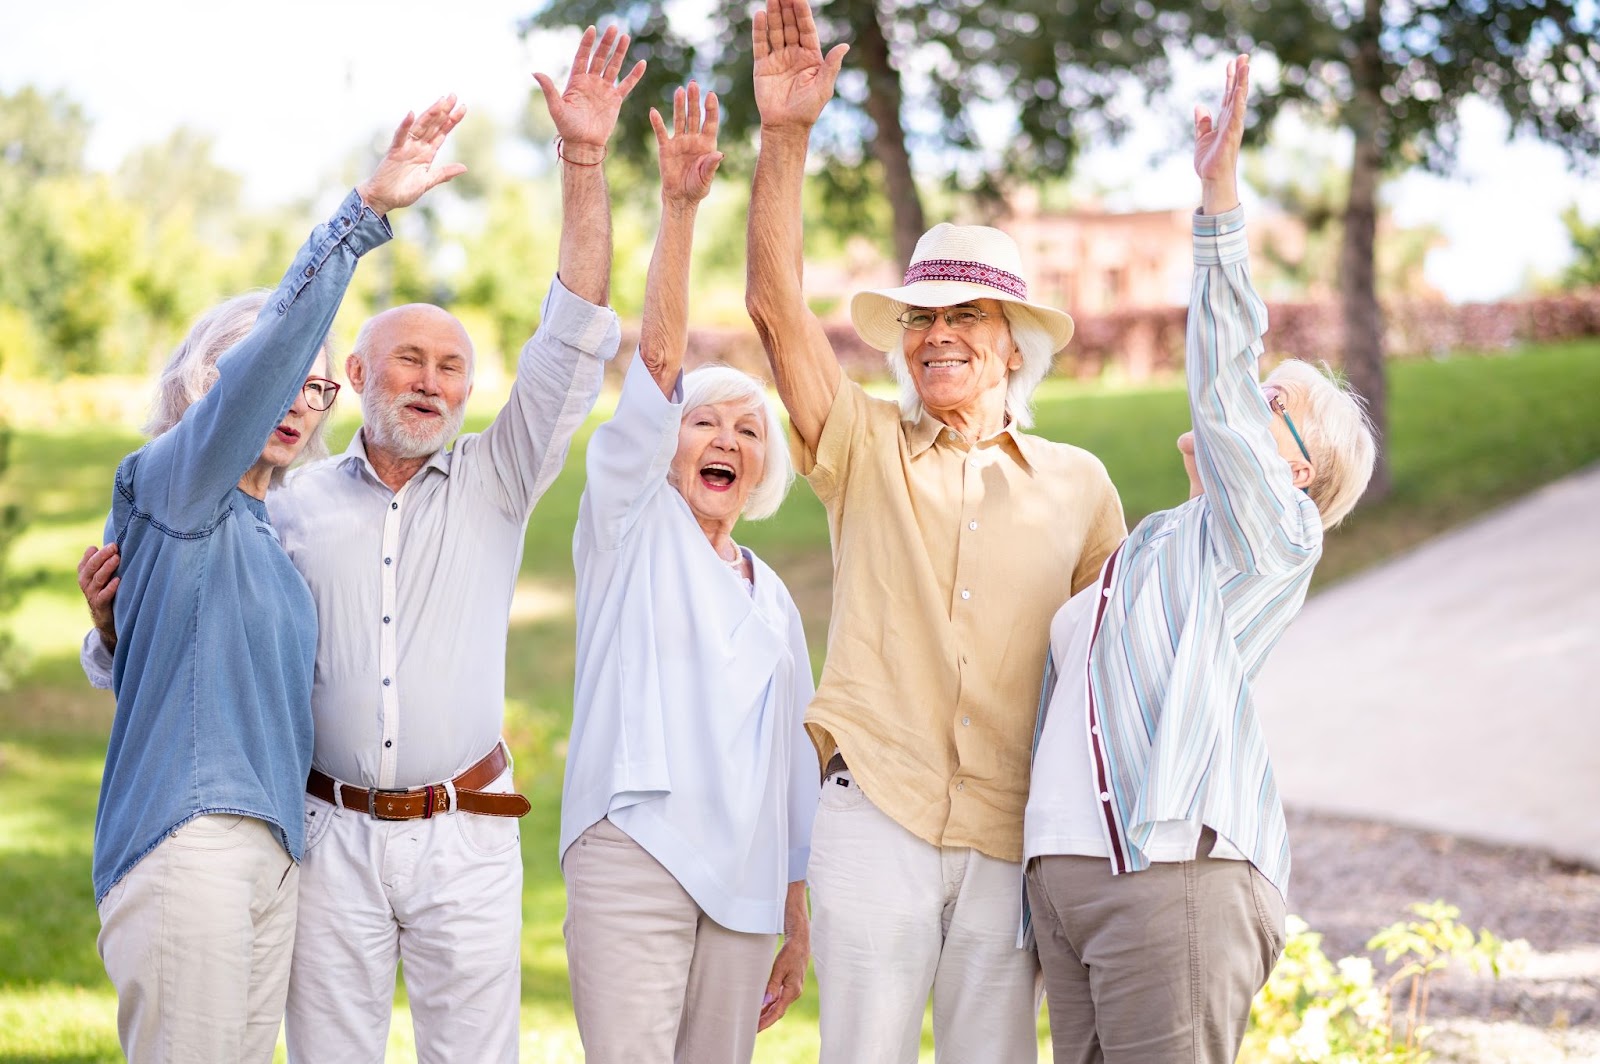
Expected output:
{"points": [[421, 803]]}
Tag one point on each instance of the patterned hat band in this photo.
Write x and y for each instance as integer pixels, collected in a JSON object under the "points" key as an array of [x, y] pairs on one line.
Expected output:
{"points": [[970, 272]]}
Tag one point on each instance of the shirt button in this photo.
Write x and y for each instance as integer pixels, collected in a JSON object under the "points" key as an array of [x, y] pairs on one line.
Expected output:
{"points": [[388, 743], [1105, 796], [961, 786], [386, 620], [1106, 592], [973, 525], [1095, 730], [311, 271], [387, 561], [966, 594], [386, 681], [394, 506], [966, 721]]}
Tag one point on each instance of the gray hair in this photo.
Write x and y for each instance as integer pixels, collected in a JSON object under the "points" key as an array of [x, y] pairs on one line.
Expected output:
{"points": [[1337, 433], [1031, 339], [723, 384], [191, 369]]}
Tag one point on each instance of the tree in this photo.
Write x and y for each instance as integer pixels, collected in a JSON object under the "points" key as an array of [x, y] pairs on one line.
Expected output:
{"points": [[1395, 74], [1584, 270], [921, 81]]}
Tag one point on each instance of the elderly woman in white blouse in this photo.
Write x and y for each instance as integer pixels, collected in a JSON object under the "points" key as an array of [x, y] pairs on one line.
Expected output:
{"points": [[690, 784]]}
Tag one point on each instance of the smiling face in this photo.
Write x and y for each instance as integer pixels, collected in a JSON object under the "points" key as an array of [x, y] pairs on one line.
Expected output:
{"points": [[958, 372], [288, 440], [413, 370], [722, 452]]}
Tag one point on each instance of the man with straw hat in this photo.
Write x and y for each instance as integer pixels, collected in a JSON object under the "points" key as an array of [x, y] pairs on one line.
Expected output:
{"points": [[956, 534]]}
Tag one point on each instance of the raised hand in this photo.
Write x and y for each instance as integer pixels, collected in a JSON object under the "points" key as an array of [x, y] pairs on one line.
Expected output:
{"points": [[689, 155], [1216, 142], [793, 79], [406, 170], [585, 112]]}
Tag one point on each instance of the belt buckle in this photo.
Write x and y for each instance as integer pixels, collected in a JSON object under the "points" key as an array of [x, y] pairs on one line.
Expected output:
{"points": [[372, 801]]}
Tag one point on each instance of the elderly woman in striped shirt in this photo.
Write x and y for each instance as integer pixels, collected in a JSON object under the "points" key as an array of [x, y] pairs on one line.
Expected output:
{"points": [[690, 785], [1149, 758]]}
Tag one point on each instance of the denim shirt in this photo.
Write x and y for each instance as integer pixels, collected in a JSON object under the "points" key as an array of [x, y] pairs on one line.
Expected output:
{"points": [[216, 630]]}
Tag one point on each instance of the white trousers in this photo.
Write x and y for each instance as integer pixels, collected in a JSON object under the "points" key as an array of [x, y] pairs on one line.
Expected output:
{"points": [[654, 979], [197, 939], [894, 917], [443, 896]]}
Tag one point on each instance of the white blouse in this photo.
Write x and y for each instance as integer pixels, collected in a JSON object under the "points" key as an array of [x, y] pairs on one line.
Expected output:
{"points": [[691, 686]]}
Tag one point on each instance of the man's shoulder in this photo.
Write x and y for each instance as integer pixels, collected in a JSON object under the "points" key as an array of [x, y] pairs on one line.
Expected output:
{"points": [[1056, 456]]}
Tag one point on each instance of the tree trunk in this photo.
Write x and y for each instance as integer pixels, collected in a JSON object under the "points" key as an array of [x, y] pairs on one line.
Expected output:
{"points": [[1358, 295], [869, 51]]}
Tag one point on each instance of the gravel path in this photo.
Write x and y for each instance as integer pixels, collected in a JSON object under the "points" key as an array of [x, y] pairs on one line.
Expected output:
{"points": [[1352, 877]]}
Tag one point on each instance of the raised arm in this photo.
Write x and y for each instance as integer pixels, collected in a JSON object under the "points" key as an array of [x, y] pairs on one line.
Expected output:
{"points": [[585, 113], [689, 158], [220, 436], [793, 82], [1263, 522], [560, 368]]}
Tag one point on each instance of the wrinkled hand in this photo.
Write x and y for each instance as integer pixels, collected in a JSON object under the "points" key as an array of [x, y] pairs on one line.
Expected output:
{"points": [[793, 79], [585, 112], [1216, 143], [406, 170], [98, 580], [688, 155], [788, 980]]}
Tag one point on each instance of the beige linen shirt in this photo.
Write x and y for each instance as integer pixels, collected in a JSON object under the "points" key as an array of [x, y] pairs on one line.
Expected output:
{"points": [[949, 560]]}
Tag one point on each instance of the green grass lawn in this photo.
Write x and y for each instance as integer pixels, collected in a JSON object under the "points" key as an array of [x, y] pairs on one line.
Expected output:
{"points": [[1468, 433]]}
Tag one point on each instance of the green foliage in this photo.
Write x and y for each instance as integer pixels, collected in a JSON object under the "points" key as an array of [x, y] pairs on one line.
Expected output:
{"points": [[1313, 1009], [1584, 271]]}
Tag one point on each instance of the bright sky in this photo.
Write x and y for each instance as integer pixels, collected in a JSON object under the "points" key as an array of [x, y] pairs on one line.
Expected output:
{"points": [[288, 88]]}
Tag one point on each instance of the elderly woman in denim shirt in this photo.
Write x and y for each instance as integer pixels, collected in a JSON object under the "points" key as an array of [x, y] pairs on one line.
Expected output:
{"points": [[690, 786], [199, 826]]}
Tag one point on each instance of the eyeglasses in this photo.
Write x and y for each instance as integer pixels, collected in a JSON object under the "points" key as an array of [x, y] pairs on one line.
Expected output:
{"points": [[320, 392], [918, 319], [1275, 403]]}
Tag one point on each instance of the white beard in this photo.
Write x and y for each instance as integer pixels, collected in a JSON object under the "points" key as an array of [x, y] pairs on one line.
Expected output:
{"points": [[387, 426]]}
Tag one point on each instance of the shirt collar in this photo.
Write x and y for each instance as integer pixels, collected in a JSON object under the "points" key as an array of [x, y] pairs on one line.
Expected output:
{"points": [[357, 453], [924, 433]]}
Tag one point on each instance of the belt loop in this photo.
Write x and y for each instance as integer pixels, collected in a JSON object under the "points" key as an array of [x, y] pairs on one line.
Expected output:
{"points": [[510, 764], [450, 789], [338, 795]]}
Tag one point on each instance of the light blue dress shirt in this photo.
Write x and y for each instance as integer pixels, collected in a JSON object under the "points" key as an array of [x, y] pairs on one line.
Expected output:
{"points": [[691, 685], [216, 631]]}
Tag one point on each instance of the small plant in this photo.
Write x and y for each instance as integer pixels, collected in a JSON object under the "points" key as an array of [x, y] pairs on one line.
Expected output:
{"points": [[1315, 1010]]}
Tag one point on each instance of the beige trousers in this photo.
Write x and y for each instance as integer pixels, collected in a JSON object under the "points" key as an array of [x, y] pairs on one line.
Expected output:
{"points": [[197, 939], [1152, 967], [893, 918], [654, 979]]}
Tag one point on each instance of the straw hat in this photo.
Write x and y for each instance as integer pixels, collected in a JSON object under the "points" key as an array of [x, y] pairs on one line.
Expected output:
{"points": [[954, 264]]}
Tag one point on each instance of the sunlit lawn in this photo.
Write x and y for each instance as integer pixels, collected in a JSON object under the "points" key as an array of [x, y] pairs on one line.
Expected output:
{"points": [[1468, 433]]}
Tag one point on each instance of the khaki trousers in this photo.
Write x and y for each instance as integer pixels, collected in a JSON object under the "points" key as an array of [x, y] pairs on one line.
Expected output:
{"points": [[893, 918], [654, 979], [197, 939], [1152, 967]]}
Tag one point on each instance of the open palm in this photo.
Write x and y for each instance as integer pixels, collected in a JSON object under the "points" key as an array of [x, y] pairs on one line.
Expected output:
{"points": [[689, 155], [406, 170], [1216, 142], [585, 112], [793, 79]]}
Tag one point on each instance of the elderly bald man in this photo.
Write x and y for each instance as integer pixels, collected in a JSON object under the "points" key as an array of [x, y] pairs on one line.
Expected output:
{"points": [[411, 553]]}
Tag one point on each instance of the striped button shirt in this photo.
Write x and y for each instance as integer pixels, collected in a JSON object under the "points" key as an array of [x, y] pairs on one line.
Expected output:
{"points": [[1198, 595]]}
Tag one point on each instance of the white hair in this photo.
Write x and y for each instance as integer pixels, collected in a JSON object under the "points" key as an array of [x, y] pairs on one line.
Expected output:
{"points": [[191, 369], [1031, 339], [1337, 433], [724, 384]]}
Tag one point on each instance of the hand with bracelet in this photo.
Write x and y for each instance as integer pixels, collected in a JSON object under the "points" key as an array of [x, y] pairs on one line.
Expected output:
{"points": [[585, 112]]}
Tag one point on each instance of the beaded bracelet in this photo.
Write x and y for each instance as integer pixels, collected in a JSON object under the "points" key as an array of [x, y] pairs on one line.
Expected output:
{"points": [[575, 162]]}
